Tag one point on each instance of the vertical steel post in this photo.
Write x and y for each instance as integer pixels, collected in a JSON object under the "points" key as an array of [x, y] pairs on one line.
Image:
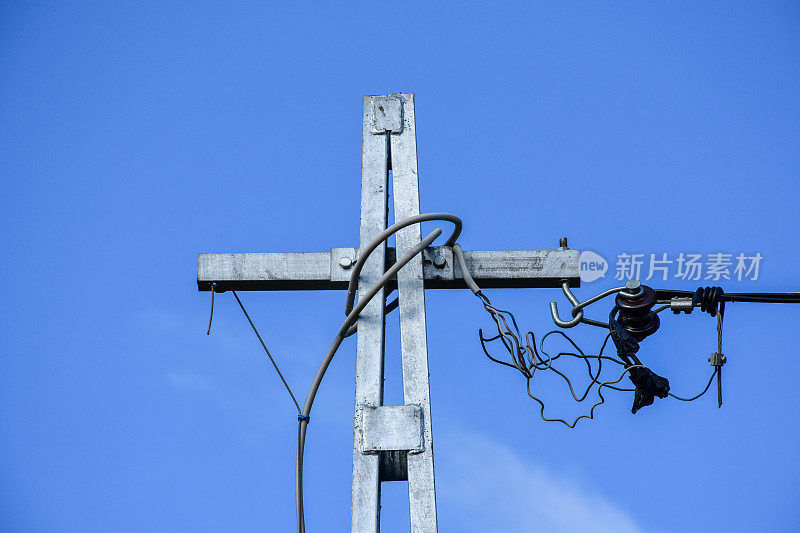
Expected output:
{"points": [[365, 511], [413, 330], [391, 443]]}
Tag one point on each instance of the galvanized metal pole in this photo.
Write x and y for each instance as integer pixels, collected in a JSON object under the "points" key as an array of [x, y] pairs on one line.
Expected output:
{"points": [[392, 443], [413, 329], [365, 515]]}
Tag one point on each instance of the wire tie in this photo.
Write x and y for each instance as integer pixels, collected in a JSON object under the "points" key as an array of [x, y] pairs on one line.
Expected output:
{"points": [[301, 418]]}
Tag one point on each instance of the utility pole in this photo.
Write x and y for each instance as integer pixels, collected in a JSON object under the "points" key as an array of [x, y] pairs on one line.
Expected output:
{"points": [[390, 443]]}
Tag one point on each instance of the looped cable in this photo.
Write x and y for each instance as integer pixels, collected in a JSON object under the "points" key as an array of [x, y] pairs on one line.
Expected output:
{"points": [[709, 299], [385, 234]]}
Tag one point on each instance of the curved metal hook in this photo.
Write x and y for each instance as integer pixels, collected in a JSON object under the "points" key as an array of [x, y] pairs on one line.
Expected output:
{"points": [[631, 289], [576, 312]]}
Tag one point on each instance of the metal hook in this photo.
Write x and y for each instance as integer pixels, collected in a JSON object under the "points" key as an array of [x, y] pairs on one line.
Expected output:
{"points": [[632, 289], [576, 313]]}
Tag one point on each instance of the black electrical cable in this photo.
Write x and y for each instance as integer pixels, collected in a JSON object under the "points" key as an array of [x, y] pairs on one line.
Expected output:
{"points": [[766, 297], [710, 298], [527, 359]]}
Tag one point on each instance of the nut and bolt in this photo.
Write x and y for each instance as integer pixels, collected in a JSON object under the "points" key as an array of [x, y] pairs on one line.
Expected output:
{"points": [[346, 263], [633, 289], [633, 285], [439, 261]]}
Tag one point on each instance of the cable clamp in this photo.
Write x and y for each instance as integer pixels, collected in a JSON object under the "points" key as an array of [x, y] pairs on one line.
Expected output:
{"points": [[678, 305], [301, 418], [717, 359]]}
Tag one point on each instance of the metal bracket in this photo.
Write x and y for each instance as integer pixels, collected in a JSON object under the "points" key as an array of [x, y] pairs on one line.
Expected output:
{"points": [[437, 262], [717, 359], [390, 428], [387, 115]]}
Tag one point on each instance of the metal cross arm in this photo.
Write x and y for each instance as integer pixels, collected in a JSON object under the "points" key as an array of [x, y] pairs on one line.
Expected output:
{"points": [[331, 270], [390, 443]]}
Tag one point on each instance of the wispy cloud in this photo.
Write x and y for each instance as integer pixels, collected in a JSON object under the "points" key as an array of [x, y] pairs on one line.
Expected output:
{"points": [[484, 486]]}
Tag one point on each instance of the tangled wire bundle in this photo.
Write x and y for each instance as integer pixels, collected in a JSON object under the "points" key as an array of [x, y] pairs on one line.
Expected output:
{"points": [[527, 359]]}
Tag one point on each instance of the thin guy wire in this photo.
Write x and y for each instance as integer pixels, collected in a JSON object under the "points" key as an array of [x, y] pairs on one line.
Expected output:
{"points": [[278, 370]]}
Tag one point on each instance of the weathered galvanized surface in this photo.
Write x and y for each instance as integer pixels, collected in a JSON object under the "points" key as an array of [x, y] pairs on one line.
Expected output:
{"points": [[323, 270], [264, 271], [387, 114], [342, 260], [391, 428], [522, 269], [365, 509], [413, 329]]}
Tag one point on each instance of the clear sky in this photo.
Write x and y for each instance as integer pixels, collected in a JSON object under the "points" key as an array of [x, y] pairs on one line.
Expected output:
{"points": [[136, 134]]}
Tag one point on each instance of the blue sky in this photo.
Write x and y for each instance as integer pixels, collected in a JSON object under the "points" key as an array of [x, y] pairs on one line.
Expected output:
{"points": [[138, 134]]}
